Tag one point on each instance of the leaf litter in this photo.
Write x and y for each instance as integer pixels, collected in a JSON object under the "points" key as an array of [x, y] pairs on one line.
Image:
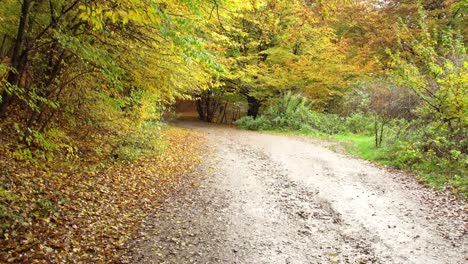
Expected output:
{"points": [[88, 215]]}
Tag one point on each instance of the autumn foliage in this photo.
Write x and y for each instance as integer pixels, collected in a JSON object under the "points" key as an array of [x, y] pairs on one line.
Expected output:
{"points": [[86, 86]]}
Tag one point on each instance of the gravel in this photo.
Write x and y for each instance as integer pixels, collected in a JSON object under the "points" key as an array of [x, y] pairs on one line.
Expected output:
{"points": [[262, 198]]}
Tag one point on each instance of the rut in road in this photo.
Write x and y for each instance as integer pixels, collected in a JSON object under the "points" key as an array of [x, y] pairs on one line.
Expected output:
{"points": [[264, 198]]}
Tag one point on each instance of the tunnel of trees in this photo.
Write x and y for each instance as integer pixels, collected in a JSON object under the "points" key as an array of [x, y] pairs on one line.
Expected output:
{"points": [[91, 82]]}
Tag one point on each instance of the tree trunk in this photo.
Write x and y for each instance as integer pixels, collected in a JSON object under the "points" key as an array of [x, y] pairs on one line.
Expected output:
{"points": [[254, 106], [381, 134], [16, 63], [201, 113], [2, 47], [375, 134], [222, 113], [208, 106], [379, 124]]}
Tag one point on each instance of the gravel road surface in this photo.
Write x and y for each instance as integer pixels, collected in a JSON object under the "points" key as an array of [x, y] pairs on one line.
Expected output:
{"points": [[262, 198]]}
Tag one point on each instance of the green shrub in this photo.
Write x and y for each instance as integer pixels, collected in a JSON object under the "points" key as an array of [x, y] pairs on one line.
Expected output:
{"points": [[293, 113], [144, 140], [45, 208], [289, 113], [250, 123], [359, 123], [8, 215], [39, 146], [327, 123], [429, 149]]}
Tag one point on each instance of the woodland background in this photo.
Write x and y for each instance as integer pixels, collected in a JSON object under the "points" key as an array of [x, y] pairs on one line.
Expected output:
{"points": [[86, 88]]}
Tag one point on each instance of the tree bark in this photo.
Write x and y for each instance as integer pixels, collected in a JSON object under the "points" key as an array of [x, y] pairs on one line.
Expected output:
{"points": [[254, 106], [376, 132], [2, 47], [381, 134], [201, 113], [16, 63]]}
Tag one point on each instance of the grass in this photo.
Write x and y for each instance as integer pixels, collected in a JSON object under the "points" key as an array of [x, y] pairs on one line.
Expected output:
{"points": [[358, 145], [362, 146]]}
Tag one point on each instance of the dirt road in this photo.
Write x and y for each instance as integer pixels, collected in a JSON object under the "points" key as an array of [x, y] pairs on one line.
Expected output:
{"points": [[264, 198]]}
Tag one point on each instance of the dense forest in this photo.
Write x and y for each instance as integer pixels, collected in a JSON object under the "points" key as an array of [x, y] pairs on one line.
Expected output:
{"points": [[87, 86]]}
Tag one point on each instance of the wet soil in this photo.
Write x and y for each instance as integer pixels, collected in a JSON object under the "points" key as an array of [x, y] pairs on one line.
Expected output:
{"points": [[262, 198]]}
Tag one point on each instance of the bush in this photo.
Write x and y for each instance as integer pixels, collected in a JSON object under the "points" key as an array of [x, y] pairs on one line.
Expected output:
{"points": [[290, 113], [293, 113], [250, 123], [327, 123], [429, 149], [44, 146], [147, 139], [358, 123]]}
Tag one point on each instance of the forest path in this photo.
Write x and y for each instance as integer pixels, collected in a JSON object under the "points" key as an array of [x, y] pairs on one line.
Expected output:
{"points": [[264, 198]]}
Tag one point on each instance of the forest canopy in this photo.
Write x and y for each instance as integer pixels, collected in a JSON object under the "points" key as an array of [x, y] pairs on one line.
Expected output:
{"points": [[117, 66], [81, 62]]}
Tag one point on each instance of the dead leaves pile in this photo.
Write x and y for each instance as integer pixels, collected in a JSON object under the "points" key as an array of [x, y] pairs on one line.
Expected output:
{"points": [[63, 217]]}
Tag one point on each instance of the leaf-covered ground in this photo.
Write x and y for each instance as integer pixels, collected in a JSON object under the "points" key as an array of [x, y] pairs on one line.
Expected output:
{"points": [[86, 215]]}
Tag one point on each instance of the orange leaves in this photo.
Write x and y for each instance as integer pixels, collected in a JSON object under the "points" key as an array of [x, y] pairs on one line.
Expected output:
{"points": [[79, 217]]}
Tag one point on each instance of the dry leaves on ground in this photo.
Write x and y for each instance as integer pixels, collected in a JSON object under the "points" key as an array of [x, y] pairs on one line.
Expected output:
{"points": [[52, 216]]}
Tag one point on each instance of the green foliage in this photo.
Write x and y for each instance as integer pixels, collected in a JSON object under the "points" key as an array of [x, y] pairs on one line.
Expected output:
{"points": [[44, 208], [24, 154], [84, 66], [141, 141], [425, 149], [44, 146], [290, 113], [8, 216], [359, 123], [436, 71], [250, 123], [293, 112], [431, 150]]}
